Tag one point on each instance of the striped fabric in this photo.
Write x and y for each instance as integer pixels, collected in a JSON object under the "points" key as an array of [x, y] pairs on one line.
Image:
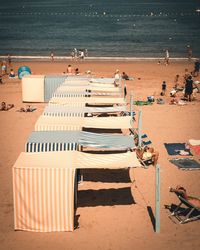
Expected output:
{"points": [[47, 147], [91, 100], [84, 94], [61, 110], [43, 189], [78, 88], [108, 141], [51, 83], [45, 141], [49, 123]]}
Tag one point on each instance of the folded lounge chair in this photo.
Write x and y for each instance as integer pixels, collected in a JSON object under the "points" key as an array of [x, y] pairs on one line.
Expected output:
{"points": [[187, 213]]}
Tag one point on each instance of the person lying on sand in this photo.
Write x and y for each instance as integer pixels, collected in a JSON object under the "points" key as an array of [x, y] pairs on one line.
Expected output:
{"points": [[27, 109], [182, 191], [6, 107]]}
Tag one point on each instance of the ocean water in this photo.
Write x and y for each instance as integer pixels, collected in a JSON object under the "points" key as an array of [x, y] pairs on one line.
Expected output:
{"points": [[125, 28]]}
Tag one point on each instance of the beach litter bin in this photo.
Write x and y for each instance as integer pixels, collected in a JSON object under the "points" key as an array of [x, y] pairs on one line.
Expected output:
{"points": [[23, 70]]}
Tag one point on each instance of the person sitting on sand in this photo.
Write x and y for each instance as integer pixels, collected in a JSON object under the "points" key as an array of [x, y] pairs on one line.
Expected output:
{"points": [[69, 69], [27, 109], [125, 76], [12, 73], [5, 107], [182, 191], [77, 72], [148, 153]]}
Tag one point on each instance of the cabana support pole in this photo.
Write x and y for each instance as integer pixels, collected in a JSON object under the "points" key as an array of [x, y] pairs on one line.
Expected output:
{"points": [[157, 222], [140, 128], [131, 104]]}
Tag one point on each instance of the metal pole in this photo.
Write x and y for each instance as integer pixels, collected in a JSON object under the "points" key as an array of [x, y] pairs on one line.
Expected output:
{"points": [[157, 222], [140, 128], [131, 104]]}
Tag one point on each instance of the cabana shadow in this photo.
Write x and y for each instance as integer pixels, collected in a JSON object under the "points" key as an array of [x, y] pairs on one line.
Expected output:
{"points": [[105, 197], [106, 175]]}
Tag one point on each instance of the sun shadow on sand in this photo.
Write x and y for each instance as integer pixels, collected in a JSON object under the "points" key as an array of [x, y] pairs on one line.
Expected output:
{"points": [[152, 217], [106, 175], [105, 197]]}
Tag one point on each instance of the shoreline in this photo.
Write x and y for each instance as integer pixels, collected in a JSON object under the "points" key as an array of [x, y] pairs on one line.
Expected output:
{"points": [[98, 58]]}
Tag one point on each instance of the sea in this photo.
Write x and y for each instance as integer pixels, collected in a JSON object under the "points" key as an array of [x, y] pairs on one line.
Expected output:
{"points": [[106, 28]]}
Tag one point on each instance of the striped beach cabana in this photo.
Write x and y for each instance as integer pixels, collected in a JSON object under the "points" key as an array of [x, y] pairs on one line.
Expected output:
{"points": [[44, 184]]}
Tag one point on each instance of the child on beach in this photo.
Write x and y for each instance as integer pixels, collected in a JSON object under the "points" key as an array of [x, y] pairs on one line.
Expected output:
{"points": [[164, 87]]}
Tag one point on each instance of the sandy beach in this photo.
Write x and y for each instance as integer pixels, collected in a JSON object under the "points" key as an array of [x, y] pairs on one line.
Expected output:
{"points": [[114, 208]]}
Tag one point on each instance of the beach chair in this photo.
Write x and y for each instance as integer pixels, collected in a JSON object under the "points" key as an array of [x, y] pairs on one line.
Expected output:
{"points": [[187, 213]]}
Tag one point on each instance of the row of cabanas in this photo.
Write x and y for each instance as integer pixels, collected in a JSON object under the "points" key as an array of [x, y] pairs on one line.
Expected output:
{"points": [[45, 175]]}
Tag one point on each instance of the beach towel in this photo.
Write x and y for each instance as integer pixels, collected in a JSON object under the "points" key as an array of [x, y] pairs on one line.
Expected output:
{"points": [[177, 149], [196, 149], [186, 164]]}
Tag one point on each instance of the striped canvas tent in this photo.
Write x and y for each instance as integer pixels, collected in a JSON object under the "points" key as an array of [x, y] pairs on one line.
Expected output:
{"points": [[43, 189], [43, 186], [49, 123]]}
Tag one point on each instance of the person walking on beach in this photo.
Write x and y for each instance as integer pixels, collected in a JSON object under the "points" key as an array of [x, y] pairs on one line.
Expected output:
{"points": [[164, 87], [166, 57]]}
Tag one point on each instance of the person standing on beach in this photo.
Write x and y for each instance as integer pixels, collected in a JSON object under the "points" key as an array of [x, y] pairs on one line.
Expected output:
{"points": [[189, 88], [52, 56], [164, 87], [166, 57], [196, 68], [69, 69], [117, 78], [176, 82], [9, 60], [189, 52]]}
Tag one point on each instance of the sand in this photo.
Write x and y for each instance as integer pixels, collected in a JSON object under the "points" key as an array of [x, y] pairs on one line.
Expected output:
{"points": [[114, 209]]}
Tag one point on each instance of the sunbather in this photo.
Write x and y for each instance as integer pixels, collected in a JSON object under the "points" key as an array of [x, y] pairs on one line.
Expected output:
{"points": [[148, 153], [182, 191], [6, 107], [27, 109]]}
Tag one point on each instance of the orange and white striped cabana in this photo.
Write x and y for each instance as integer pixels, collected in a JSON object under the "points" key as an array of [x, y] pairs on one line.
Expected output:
{"points": [[44, 184]]}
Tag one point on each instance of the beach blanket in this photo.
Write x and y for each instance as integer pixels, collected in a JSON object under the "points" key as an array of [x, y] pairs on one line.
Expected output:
{"points": [[186, 164], [177, 149], [140, 103]]}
